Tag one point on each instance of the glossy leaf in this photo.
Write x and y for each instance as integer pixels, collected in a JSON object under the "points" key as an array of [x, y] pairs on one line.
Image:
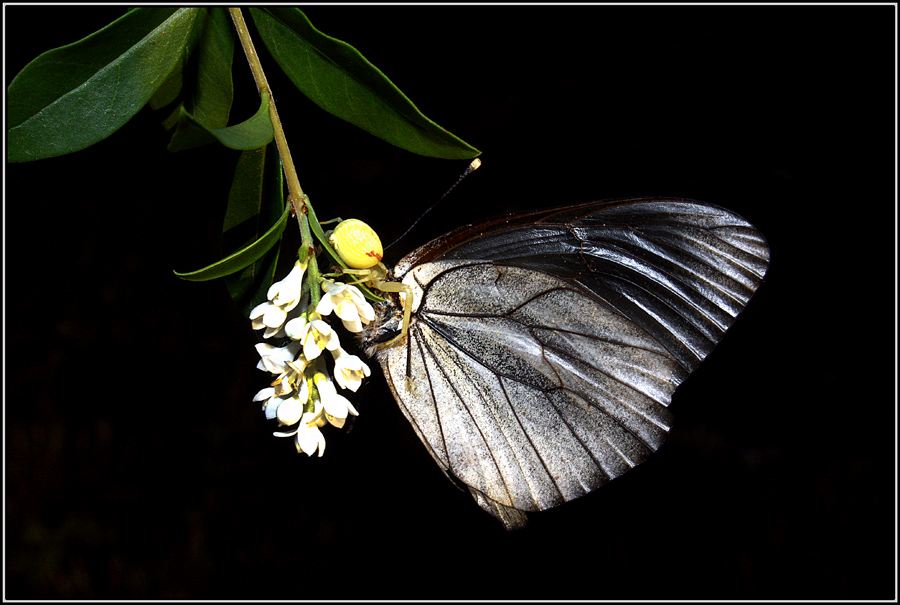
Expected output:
{"points": [[97, 83], [341, 81], [168, 94], [197, 97], [210, 97], [255, 193], [316, 227], [256, 201], [254, 133]]}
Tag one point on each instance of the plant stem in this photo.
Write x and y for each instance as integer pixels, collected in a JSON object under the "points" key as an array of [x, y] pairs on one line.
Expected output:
{"points": [[297, 198], [262, 85]]}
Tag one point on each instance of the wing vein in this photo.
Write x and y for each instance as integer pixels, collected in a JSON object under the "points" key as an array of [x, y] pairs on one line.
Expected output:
{"points": [[559, 351], [471, 416], [533, 447]]}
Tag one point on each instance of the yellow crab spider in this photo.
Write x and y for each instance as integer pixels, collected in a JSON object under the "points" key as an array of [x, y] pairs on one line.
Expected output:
{"points": [[360, 248]]}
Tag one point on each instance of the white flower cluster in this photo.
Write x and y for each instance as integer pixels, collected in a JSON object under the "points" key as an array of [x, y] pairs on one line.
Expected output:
{"points": [[303, 396]]}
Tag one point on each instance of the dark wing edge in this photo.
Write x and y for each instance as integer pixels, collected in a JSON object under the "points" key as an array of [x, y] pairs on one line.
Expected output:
{"points": [[441, 246], [682, 270], [510, 517]]}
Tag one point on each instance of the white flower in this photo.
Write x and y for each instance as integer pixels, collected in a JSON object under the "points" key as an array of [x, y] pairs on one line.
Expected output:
{"points": [[268, 316], [347, 302], [270, 407], [309, 439], [314, 335], [336, 406], [266, 393], [288, 381], [307, 436], [349, 370], [288, 409], [283, 297], [286, 293], [275, 359]]}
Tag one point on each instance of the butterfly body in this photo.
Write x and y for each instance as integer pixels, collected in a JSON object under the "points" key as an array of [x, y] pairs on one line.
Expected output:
{"points": [[543, 348]]}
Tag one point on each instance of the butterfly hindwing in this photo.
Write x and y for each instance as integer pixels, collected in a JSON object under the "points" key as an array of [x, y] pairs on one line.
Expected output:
{"points": [[545, 348]]}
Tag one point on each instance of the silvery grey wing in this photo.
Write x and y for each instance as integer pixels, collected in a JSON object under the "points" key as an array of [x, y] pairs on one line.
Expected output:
{"points": [[544, 348]]}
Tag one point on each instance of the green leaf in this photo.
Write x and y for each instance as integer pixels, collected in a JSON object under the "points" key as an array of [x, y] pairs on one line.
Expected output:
{"points": [[254, 192], [341, 81], [316, 227], [169, 90], [252, 134], [210, 98], [255, 202], [97, 83], [207, 70]]}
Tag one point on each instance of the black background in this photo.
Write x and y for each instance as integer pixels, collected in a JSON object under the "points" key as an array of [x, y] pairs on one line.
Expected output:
{"points": [[137, 465]]}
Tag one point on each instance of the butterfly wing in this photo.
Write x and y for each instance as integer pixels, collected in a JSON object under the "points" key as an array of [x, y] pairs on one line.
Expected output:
{"points": [[545, 348]]}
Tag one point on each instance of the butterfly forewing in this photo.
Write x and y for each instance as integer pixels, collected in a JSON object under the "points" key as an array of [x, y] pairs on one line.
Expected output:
{"points": [[545, 347]]}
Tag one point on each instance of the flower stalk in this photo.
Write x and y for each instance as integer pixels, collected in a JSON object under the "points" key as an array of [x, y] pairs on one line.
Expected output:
{"points": [[303, 394]]}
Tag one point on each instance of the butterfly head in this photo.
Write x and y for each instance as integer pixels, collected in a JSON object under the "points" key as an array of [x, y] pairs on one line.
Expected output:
{"points": [[388, 324]]}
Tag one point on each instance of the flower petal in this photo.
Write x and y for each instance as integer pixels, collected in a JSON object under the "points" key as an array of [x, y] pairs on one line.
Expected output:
{"points": [[274, 358], [321, 326], [266, 393], [353, 326], [325, 306], [310, 439], [351, 409], [303, 393], [333, 341], [336, 407], [274, 316], [349, 370], [274, 332], [296, 328], [366, 311], [258, 310], [311, 350], [272, 406], [346, 309], [333, 287], [290, 411]]}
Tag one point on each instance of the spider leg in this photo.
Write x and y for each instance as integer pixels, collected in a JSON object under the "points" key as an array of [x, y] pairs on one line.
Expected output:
{"points": [[371, 275], [366, 275], [393, 286]]}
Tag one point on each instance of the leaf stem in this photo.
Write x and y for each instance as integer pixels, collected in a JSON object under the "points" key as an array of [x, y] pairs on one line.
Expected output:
{"points": [[299, 200]]}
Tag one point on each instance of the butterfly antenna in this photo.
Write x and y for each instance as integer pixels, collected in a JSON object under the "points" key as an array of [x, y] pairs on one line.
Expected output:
{"points": [[469, 169]]}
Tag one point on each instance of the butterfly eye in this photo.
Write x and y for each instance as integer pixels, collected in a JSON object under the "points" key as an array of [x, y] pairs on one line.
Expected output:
{"points": [[357, 244]]}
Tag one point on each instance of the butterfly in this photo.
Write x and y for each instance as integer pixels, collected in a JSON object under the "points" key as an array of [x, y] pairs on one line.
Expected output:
{"points": [[543, 348]]}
